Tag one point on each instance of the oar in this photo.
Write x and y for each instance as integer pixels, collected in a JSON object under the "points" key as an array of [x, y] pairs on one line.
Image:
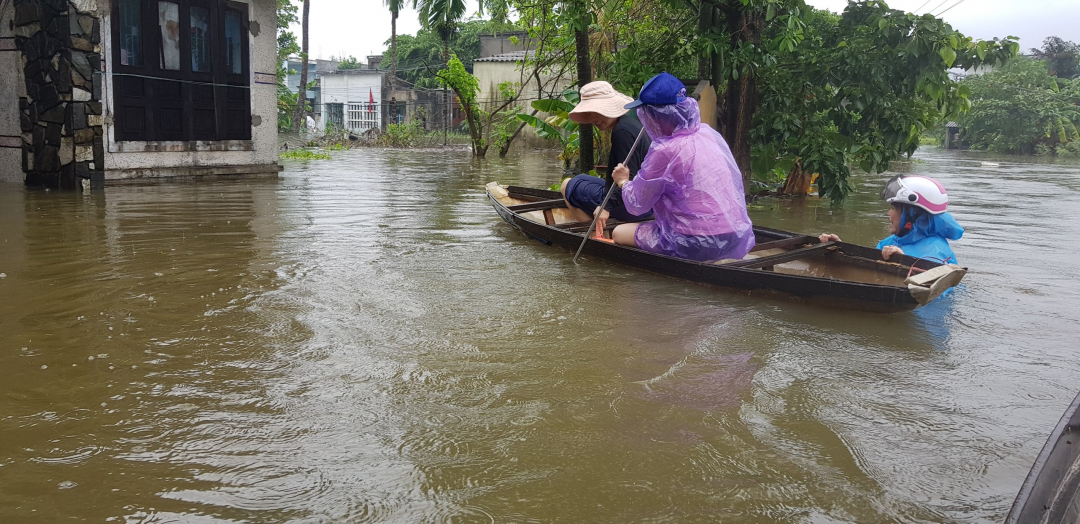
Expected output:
{"points": [[606, 197]]}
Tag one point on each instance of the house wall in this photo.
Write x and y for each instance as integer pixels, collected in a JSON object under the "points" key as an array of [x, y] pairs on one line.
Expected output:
{"points": [[133, 159], [498, 44], [56, 102], [490, 74], [11, 88]]}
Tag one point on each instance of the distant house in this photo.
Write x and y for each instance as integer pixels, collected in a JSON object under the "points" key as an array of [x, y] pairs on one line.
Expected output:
{"points": [[352, 99], [362, 101], [97, 91], [494, 70], [490, 71]]}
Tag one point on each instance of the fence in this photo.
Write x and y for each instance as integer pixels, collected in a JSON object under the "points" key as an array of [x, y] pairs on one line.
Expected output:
{"points": [[362, 117]]}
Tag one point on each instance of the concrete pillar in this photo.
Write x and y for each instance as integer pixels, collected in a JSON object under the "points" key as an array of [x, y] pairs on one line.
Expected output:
{"points": [[61, 121]]}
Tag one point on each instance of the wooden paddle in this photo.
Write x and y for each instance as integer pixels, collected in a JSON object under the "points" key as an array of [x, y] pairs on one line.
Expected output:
{"points": [[608, 196]]}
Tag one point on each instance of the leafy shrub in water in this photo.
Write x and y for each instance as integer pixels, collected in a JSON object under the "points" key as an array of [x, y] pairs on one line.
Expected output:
{"points": [[401, 135], [1070, 150], [303, 154]]}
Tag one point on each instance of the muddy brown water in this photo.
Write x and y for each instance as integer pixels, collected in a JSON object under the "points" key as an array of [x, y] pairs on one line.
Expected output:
{"points": [[364, 340]]}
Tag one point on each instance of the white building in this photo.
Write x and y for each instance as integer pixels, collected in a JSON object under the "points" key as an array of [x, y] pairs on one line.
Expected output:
{"points": [[98, 91], [352, 99]]}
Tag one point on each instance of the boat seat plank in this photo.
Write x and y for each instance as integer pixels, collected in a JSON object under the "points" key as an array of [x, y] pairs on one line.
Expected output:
{"points": [[570, 226], [794, 254], [537, 206], [578, 227], [882, 266], [783, 243]]}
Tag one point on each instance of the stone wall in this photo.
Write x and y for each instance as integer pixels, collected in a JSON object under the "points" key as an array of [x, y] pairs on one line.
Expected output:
{"points": [[61, 114]]}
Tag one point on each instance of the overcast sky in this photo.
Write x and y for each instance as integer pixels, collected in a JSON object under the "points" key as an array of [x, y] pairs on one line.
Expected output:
{"points": [[360, 27]]}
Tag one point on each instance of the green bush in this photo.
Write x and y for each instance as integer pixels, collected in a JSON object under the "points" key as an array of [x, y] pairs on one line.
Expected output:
{"points": [[401, 135], [1069, 150], [1021, 108], [303, 154]]}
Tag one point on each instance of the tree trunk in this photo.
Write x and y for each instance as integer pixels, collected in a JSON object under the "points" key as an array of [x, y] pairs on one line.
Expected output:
{"points": [[740, 100], [393, 50], [797, 182], [301, 95], [475, 136], [449, 102], [505, 148], [705, 24], [584, 70]]}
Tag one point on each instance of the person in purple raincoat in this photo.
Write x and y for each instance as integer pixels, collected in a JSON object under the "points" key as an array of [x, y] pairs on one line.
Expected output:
{"points": [[689, 179]]}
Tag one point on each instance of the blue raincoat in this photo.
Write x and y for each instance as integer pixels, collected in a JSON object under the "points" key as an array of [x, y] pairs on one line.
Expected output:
{"points": [[928, 237]]}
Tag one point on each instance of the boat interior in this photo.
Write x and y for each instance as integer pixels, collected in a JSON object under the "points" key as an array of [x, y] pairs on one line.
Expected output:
{"points": [[777, 252]]}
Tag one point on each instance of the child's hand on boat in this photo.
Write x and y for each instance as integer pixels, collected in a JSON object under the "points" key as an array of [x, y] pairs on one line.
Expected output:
{"points": [[889, 251], [828, 237]]}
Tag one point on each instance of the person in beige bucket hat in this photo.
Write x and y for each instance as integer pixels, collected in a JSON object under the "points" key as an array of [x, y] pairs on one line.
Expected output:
{"points": [[602, 107]]}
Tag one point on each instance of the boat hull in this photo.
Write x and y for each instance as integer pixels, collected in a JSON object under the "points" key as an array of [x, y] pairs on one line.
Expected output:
{"points": [[1051, 492], [866, 296]]}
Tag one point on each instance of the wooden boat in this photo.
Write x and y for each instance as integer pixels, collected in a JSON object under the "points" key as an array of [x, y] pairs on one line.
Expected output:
{"points": [[1051, 492], [782, 262]]}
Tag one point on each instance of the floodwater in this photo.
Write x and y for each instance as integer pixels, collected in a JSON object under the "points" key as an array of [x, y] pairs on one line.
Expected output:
{"points": [[364, 340]]}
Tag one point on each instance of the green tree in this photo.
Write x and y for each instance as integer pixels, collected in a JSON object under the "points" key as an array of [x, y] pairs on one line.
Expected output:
{"points": [[800, 91], [395, 7], [420, 56], [1062, 57], [1022, 108], [580, 15], [286, 45], [345, 63], [466, 88], [301, 97], [863, 87], [800, 87], [442, 17]]}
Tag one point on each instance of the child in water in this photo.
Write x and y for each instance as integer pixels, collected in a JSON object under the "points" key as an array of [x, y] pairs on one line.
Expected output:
{"points": [[919, 224]]}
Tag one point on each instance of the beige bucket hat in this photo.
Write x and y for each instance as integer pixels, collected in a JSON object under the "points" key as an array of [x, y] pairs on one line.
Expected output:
{"points": [[600, 97]]}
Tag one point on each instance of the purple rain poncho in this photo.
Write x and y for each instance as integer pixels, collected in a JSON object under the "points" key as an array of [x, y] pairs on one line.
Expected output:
{"points": [[691, 182]]}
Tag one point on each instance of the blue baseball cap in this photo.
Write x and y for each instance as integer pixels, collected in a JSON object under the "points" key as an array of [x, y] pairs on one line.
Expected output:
{"points": [[661, 90]]}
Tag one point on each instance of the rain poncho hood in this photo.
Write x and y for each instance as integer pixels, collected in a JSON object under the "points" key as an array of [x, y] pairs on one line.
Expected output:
{"points": [[928, 237], [691, 181]]}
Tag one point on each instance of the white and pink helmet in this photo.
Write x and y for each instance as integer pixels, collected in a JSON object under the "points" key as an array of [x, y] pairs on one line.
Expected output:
{"points": [[921, 191]]}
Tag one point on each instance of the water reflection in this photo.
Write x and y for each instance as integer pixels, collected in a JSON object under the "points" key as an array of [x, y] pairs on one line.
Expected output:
{"points": [[364, 340]]}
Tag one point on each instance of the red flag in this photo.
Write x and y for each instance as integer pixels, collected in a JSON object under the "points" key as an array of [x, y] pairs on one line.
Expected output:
{"points": [[371, 101]]}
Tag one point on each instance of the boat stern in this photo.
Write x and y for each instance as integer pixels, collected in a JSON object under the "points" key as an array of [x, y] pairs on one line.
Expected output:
{"points": [[928, 285]]}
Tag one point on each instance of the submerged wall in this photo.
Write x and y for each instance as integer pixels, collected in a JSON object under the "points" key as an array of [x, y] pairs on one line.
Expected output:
{"points": [[59, 105]]}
